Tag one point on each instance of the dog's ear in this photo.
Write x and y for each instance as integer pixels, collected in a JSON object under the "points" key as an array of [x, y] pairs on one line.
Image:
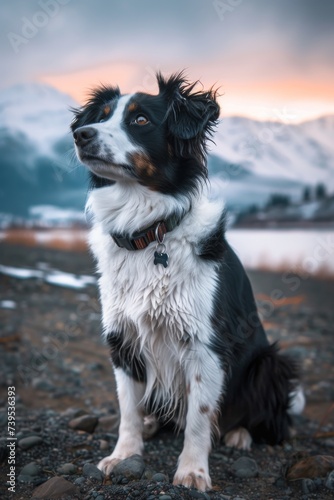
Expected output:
{"points": [[190, 113]]}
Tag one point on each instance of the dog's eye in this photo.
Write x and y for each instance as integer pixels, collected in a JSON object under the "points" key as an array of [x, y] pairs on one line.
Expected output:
{"points": [[141, 120]]}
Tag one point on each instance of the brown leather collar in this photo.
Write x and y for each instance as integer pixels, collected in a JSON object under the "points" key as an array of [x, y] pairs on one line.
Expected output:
{"points": [[156, 232]]}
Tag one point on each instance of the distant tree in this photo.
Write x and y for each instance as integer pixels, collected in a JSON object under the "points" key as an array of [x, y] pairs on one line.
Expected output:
{"points": [[253, 209], [320, 192], [307, 194], [278, 200]]}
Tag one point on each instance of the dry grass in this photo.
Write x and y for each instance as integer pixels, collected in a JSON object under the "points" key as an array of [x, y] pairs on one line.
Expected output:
{"points": [[59, 239]]}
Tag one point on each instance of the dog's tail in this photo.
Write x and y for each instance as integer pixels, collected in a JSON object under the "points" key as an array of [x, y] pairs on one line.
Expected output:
{"points": [[274, 381]]}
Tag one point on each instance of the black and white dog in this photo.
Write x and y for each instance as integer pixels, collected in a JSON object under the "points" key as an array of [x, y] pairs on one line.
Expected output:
{"points": [[178, 311]]}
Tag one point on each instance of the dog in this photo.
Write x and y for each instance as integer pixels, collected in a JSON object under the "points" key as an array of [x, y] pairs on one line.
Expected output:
{"points": [[186, 341]]}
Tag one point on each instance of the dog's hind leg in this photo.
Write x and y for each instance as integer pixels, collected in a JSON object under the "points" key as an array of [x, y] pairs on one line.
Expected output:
{"points": [[238, 438]]}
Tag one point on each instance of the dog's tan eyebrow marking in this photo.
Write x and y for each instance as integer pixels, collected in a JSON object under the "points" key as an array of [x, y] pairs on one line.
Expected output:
{"points": [[106, 110], [132, 106]]}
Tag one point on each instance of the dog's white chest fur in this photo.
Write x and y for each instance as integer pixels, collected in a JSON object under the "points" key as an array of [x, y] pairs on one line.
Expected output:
{"points": [[162, 312]]}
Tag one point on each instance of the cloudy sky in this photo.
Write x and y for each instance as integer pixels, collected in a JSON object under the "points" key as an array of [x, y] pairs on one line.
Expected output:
{"points": [[270, 58]]}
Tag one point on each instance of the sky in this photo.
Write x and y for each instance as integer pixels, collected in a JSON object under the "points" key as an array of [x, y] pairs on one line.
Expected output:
{"points": [[271, 59]]}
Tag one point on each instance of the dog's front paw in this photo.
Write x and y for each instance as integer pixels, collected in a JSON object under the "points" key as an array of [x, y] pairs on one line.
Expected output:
{"points": [[193, 478], [107, 464]]}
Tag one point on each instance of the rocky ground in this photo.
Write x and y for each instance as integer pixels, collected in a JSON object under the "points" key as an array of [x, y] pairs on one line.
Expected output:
{"points": [[66, 408]]}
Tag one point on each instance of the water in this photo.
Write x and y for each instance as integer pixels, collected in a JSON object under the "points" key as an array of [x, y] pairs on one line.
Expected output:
{"points": [[305, 251]]}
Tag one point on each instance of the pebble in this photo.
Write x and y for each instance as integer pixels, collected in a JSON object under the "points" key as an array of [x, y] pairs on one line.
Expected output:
{"points": [[91, 471], [85, 423], [330, 481], [73, 413], [245, 467], [308, 486], [108, 423], [80, 480], [165, 497], [148, 474], [25, 478], [41, 384], [55, 487], [131, 468], [158, 477], [29, 442], [31, 469], [311, 467], [199, 494], [67, 469], [104, 445]]}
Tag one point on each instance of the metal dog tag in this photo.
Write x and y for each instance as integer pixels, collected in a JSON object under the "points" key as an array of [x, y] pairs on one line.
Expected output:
{"points": [[160, 255], [161, 258]]}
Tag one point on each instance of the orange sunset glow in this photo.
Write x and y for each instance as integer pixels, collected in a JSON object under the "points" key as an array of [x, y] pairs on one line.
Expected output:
{"points": [[263, 100]]}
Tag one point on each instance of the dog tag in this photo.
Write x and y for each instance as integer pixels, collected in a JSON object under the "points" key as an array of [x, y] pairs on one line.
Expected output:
{"points": [[161, 258]]}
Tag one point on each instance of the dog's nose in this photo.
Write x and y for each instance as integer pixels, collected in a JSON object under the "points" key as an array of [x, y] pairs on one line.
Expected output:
{"points": [[84, 135]]}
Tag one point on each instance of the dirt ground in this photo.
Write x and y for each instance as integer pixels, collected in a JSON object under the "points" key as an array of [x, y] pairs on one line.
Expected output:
{"points": [[51, 351]]}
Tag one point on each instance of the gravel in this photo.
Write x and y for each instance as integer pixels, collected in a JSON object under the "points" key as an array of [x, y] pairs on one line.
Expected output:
{"points": [[54, 459]]}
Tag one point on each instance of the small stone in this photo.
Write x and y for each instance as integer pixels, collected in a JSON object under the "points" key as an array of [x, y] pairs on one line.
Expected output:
{"points": [[92, 472], [99, 497], [85, 423], [108, 423], [80, 480], [31, 469], [42, 384], [311, 467], [148, 474], [165, 497], [29, 442], [245, 467], [158, 477], [330, 481], [104, 445], [131, 468], [67, 469], [199, 494], [25, 478], [73, 413], [308, 486], [280, 483], [55, 488]]}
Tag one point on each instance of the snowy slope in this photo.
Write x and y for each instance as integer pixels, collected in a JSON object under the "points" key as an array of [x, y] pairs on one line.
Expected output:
{"points": [[301, 153], [37, 160], [39, 112]]}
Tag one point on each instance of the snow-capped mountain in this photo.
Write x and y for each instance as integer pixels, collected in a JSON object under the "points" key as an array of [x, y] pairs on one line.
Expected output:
{"points": [[38, 165], [39, 112], [249, 161], [262, 158]]}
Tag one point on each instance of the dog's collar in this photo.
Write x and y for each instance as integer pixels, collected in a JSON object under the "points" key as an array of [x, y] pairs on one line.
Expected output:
{"points": [[156, 232]]}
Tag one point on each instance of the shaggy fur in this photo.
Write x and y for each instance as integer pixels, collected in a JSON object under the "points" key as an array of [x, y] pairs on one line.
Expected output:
{"points": [[186, 341]]}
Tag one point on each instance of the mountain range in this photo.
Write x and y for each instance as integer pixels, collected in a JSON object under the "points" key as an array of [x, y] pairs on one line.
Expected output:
{"points": [[248, 162]]}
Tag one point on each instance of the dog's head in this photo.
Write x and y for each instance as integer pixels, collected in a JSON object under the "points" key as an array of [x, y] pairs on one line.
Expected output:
{"points": [[156, 140]]}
